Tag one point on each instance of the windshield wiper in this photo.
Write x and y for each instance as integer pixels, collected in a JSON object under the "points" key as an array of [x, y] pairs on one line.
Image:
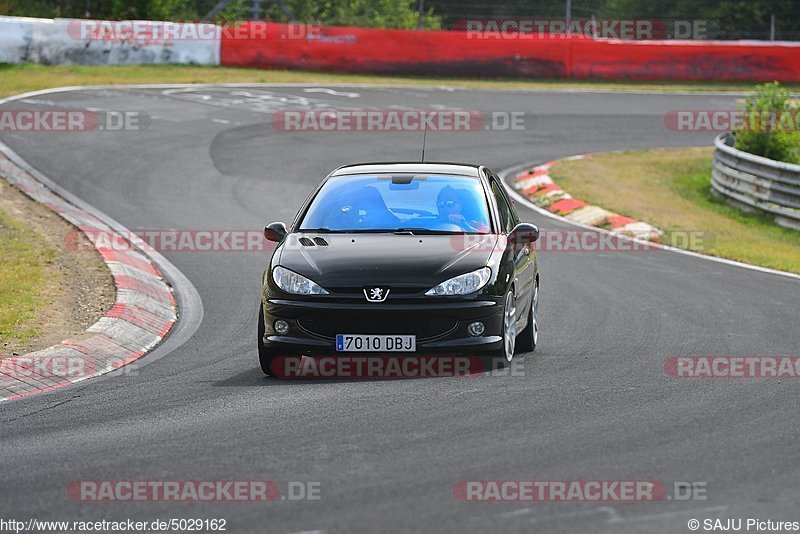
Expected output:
{"points": [[426, 231], [347, 230], [406, 231]]}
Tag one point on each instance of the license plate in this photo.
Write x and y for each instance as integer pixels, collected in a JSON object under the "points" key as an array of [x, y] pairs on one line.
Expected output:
{"points": [[375, 343]]}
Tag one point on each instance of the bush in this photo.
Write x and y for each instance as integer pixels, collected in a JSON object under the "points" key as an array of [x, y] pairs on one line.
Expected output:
{"points": [[778, 139], [397, 14], [400, 14]]}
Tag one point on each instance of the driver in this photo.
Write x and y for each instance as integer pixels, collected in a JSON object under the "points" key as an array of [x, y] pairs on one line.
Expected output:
{"points": [[450, 203]]}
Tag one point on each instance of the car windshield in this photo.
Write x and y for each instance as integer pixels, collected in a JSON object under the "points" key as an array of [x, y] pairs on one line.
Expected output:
{"points": [[409, 203]]}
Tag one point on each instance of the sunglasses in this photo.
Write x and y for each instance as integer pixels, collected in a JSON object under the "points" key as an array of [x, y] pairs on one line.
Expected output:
{"points": [[447, 203]]}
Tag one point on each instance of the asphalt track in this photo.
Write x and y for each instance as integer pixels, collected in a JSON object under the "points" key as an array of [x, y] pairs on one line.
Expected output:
{"points": [[593, 402]]}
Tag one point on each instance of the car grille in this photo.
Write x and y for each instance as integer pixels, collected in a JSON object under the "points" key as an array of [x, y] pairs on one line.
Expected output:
{"points": [[359, 291], [345, 323]]}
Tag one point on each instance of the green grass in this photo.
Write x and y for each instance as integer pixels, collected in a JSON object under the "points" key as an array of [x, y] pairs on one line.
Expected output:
{"points": [[670, 188], [24, 256], [15, 79]]}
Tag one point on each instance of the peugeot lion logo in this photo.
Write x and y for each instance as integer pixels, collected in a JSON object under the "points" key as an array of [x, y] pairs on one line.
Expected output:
{"points": [[376, 294]]}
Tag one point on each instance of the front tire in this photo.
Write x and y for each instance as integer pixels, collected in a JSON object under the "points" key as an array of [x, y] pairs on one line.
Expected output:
{"points": [[501, 358], [529, 337], [265, 355]]}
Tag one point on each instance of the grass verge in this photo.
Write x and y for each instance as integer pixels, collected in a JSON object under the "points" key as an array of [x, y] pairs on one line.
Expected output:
{"points": [[15, 79], [25, 260], [670, 188]]}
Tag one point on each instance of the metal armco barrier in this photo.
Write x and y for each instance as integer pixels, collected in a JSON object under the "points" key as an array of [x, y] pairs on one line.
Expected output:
{"points": [[757, 183]]}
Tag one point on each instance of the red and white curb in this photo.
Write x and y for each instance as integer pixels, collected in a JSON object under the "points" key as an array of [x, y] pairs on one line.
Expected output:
{"points": [[143, 313], [535, 184], [518, 175]]}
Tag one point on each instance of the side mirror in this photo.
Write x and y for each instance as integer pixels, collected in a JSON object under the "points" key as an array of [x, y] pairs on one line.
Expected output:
{"points": [[524, 234], [275, 231]]}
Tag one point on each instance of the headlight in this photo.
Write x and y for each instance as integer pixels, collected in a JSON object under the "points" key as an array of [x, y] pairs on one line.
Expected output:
{"points": [[463, 284], [291, 282]]}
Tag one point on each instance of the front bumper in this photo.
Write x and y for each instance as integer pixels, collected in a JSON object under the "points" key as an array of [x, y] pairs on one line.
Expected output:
{"points": [[440, 327]]}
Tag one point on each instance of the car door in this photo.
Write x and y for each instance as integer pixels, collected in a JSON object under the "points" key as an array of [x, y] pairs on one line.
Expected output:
{"points": [[523, 257]]}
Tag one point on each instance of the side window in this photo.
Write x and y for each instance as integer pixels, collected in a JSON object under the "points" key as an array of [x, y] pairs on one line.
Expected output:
{"points": [[514, 215], [504, 210]]}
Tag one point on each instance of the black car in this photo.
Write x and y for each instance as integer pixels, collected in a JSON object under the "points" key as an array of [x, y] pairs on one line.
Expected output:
{"points": [[406, 258]]}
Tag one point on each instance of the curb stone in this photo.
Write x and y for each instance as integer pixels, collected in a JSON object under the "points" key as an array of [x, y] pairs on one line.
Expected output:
{"points": [[535, 184], [143, 313]]}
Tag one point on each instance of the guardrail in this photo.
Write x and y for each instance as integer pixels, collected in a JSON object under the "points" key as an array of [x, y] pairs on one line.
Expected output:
{"points": [[755, 183]]}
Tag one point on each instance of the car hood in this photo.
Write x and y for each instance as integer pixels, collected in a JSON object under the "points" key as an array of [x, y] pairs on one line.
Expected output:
{"points": [[357, 260]]}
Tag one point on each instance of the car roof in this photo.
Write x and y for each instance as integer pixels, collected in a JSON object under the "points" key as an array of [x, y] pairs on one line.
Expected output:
{"points": [[461, 169]]}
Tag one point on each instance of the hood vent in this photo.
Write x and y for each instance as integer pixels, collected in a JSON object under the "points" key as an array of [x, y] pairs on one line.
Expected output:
{"points": [[308, 242]]}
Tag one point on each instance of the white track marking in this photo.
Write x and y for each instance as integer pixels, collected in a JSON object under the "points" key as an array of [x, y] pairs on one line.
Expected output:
{"points": [[331, 92], [693, 511], [612, 516]]}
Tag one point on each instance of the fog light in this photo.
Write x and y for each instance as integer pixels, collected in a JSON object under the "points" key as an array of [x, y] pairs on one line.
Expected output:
{"points": [[476, 329], [281, 327]]}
